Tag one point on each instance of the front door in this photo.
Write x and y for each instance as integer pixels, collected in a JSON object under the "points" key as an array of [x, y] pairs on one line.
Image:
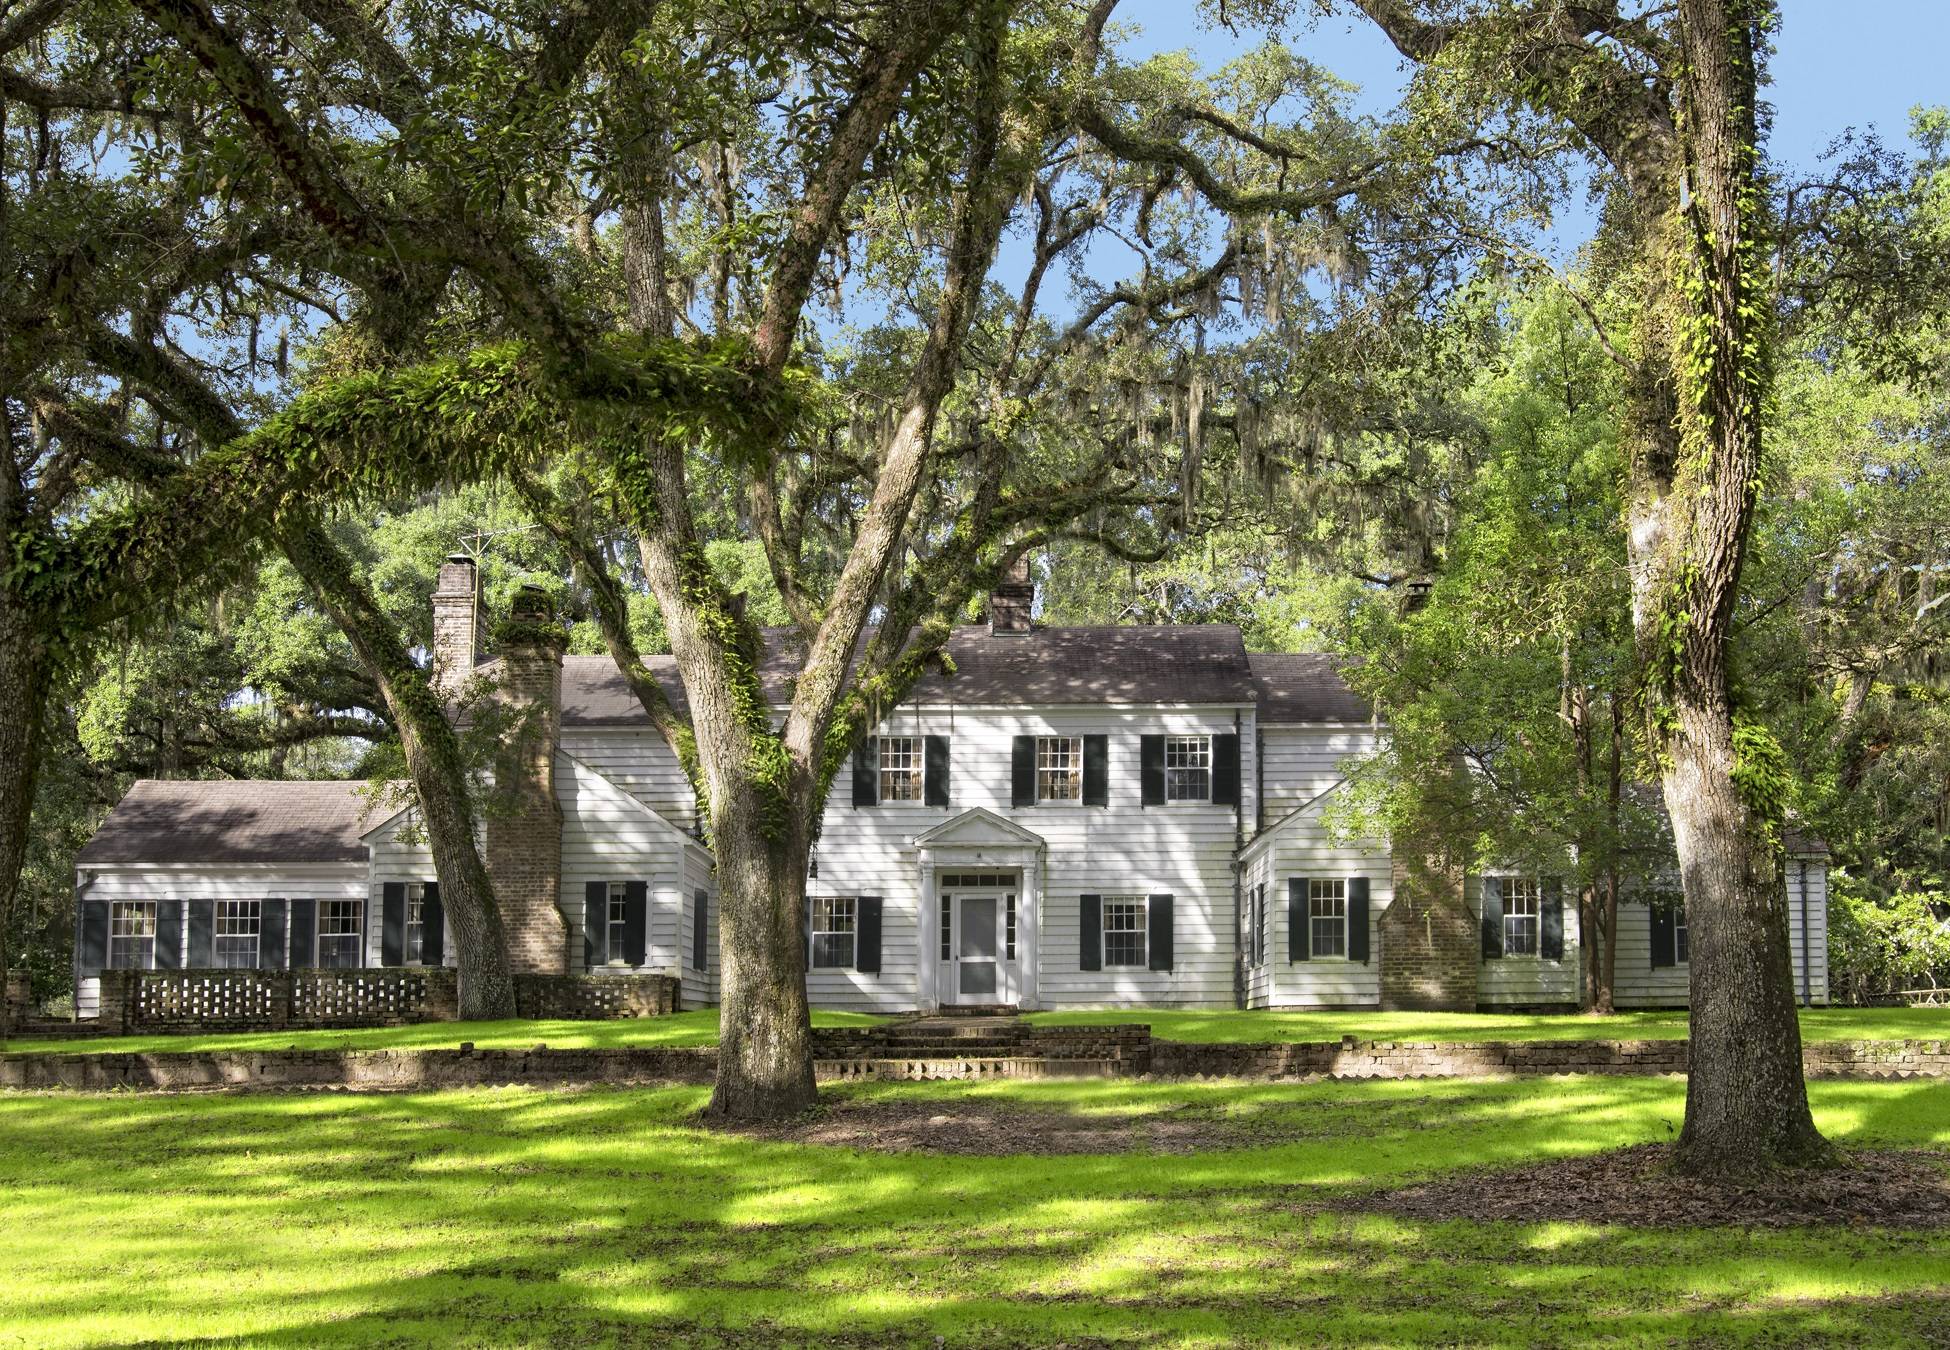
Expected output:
{"points": [[975, 955]]}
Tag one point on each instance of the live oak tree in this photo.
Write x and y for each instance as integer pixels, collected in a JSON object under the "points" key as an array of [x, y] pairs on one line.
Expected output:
{"points": [[620, 216], [1667, 102]]}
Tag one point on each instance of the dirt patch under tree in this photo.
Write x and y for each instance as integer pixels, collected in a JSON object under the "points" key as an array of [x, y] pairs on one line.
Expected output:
{"points": [[1636, 1187]]}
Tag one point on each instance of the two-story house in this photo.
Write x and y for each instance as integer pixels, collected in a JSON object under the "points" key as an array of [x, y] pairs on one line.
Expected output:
{"points": [[1085, 816]]}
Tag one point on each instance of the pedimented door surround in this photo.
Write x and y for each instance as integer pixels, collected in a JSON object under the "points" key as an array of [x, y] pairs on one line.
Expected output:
{"points": [[978, 840]]}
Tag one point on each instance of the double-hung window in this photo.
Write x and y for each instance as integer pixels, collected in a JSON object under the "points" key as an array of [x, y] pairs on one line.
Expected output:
{"points": [[1679, 946], [341, 931], [238, 923], [618, 919], [903, 769], [1523, 899], [132, 935], [834, 919], [416, 925], [1059, 768], [1327, 916], [1188, 768], [1124, 931]]}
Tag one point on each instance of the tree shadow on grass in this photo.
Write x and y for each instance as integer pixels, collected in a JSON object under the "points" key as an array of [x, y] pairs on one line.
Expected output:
{"points": [[502, 1216]]}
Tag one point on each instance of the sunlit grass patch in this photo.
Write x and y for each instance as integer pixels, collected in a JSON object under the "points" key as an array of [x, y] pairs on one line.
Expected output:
{"points": [[515, 1215]]}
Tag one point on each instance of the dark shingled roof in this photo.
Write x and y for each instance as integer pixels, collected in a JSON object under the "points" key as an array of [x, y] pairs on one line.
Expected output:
{"points": [[1305, 687], [1186, 664], [227, 821]]}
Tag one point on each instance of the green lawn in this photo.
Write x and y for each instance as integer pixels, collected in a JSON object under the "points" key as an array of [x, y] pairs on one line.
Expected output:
{"points": [[514, 1216], [701, 1028], [1817, 1024]]}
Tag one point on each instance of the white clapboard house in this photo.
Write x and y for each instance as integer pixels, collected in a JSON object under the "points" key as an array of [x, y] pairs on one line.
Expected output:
{"points": [[1088, 816]]}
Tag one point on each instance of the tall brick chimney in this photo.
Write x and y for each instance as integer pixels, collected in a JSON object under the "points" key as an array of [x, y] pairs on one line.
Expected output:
{"points": [[1429, 941], [524, 828], [459, 623], [1011, 600]]}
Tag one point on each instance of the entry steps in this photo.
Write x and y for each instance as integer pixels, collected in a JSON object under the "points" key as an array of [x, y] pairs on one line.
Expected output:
{"points": [[987, 1044]]}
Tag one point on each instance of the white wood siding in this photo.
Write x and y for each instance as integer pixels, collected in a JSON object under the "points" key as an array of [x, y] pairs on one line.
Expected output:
{"points": [[1181, 849], [700, 988], [1304, 761], [211, 881], [610, 835], [641, 764]]}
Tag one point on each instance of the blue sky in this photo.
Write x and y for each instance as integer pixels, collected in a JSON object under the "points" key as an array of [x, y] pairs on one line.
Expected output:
{"points": [[1838, 63]]}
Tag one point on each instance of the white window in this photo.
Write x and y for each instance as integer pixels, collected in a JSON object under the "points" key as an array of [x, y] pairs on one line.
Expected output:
{"points": [[1124, 930], [1522, 908], [1680, 951], [619, 921], [1059, 768], [416, 899], [832, 932], [1188, 768], [132, 935], [903, 769], [236, 937], [1327, 916], [341, 930]]}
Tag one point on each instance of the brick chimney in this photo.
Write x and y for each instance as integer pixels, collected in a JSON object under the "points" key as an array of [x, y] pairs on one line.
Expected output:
{"points": [[459, 624], [1011, 600], [524, 828]]}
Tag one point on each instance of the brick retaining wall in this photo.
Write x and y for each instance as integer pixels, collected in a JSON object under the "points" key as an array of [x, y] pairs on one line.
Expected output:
{"points": [[1465, 1059], [841, 1053]]}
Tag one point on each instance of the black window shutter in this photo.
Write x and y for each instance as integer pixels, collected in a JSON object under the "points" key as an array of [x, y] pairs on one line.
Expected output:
{"points": [[392, 924], [1022, 771], [595, 924], [636, 921], [1090, 932], [203, 922], [1096, 771], [169, 935], [1357, 919], [1158, 920], [1492, 917], [91, 944], [936, 784], [1299, 937], [866, 773], [270, 936], [1151, 770], [806, 916], [866, 941], [1553, 919], [701, 931], [433, 925], [1664, 939], [1225, 770], [304, 935]]}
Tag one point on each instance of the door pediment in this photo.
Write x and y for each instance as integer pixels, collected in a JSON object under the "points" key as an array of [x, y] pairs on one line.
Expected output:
{"points": [[978, 828]]}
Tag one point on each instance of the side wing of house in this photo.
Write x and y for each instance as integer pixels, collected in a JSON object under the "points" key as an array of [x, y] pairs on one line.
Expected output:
{"points": [[1653, 971], [1314, 917]]}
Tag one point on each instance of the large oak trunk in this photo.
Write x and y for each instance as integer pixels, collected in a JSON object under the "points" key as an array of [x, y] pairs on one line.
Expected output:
{"points": [[23, 693], [765, 1026], [433, 761], [1746, 1102]]}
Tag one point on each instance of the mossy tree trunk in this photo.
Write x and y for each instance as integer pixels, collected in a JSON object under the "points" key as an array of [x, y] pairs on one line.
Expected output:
{"points": [[433, 760], [1669, 103]]}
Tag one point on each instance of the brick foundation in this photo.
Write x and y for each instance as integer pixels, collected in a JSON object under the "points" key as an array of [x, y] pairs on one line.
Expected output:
{"points": [[595, 997]]}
